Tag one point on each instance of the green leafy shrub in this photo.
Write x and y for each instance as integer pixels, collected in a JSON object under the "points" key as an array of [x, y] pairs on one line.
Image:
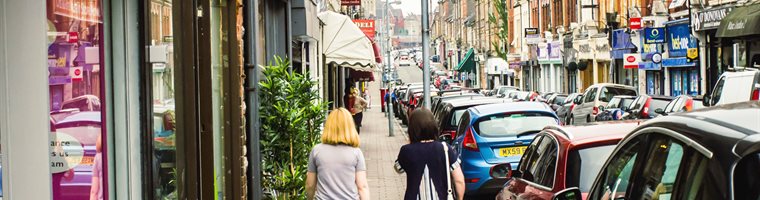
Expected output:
{"points": [[291, 115]]}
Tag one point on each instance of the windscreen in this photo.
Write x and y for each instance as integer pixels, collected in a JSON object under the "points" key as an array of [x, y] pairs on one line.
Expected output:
{"points": [[584, 164], [512, 124]]}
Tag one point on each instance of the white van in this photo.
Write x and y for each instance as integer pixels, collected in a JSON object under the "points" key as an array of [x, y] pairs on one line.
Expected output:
{"points": [[595, 99], [733, 87]]}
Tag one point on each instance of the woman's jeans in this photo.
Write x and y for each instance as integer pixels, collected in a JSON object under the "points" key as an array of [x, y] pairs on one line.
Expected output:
{"points": [[358, 121]]}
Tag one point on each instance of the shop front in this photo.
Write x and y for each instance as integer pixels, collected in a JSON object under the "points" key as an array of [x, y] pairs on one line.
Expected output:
{"points": [[705, 24], [653, 76], [682, 69], [622, 44], [738, 33], [121, 111], [467, 72], [550, 60], [499, 72]]}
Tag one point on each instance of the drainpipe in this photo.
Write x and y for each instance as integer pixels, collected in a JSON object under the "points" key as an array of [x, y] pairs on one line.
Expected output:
{"points": [[253, 176]]}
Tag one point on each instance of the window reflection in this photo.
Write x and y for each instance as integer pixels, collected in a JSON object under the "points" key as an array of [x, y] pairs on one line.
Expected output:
{"points": [[161, 61]]}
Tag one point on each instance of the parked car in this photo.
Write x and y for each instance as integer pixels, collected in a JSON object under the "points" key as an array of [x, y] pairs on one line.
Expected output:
{"points": [[644, 106], [494, 134], [524, 96], [437, 103], [562, 157], [567, 107], [616, 108], [556, 100], [595, 96], [414, 102], [735, 87], [682, 103], [451, 112], [711, 153], [82, 103], [405, 61], [501, 91]]}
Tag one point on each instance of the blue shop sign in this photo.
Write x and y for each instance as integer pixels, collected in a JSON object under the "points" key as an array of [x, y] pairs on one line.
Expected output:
{"points": [[680, 40], [654, 35], [649, 66], [677, 62]]}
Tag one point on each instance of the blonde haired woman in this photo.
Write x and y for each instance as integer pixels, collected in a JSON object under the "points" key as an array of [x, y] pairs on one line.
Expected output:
{"points": [[336, 166]]}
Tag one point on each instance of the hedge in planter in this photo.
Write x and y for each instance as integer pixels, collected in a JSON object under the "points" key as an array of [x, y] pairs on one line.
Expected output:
{"points": [[291, 116]]}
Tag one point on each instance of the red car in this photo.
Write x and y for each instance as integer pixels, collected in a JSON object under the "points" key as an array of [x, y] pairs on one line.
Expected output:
{"points": [[562, 157]]}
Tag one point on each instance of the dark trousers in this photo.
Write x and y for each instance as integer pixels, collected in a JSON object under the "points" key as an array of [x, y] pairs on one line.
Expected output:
{"points": [[358, 121]]}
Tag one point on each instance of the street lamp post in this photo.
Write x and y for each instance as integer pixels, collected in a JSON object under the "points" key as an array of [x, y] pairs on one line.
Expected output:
{"points": [[425, 53], [388, 66]]}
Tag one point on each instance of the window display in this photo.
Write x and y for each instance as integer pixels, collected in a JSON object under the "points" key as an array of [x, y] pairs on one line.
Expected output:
{"points": [[77, 108]]}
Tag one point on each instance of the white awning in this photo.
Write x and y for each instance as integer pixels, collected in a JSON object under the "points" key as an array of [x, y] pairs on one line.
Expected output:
{"points": [[496, 65], [345, 44]]}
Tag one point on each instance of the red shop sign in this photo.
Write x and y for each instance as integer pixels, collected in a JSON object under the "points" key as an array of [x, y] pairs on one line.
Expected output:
{"points": [[367, 26], [72, 37], [635, 23], [350, 2]]}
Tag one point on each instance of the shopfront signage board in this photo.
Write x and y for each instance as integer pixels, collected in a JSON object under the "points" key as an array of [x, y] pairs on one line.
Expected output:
{"points": [[72, 37], [76, 73], [654, 35], [635, 23], [367, 26], [631, 60], [350, 2], [532, 36], [709, 19], [555, 50], [680, 40]]}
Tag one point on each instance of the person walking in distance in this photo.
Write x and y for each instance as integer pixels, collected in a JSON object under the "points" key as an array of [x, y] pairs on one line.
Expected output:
{"points": [[336, 168], [431, 167], [357, 105]]}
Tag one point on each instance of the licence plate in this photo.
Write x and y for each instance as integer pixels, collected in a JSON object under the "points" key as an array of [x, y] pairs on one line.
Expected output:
{"points": [[512, 151]]}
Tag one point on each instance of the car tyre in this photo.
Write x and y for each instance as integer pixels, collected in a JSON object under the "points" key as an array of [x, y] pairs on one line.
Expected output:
{"points": [[571, 120], [588, 119]]}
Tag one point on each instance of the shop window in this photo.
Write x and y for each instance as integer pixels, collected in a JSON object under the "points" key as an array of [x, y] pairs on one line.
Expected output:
{"points": [[78, 160]]}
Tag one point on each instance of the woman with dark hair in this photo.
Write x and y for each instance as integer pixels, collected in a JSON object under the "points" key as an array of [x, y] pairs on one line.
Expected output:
{"points": [[431, 167]]}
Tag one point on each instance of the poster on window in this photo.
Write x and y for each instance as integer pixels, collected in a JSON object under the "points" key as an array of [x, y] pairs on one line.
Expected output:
{"points": [[76, 86]]}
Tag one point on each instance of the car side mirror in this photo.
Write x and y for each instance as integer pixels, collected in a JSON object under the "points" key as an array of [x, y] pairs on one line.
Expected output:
{"points": [[706, 100], [572, 193], [578, 99], [659, 111], [502, 171]]}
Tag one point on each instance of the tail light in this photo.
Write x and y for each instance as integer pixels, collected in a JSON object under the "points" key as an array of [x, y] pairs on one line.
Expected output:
{"points": [[755, 94], [572, 107], [469, 142], [645, 110], [596, 110], [452, 133]]}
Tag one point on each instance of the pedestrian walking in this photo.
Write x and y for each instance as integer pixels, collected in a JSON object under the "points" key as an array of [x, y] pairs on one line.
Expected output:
{"points": [[336, 167], [431, 167], [357, 106]]}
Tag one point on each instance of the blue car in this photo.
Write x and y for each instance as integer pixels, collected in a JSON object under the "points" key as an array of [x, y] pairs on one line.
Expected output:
{"points": [[494, 134]]}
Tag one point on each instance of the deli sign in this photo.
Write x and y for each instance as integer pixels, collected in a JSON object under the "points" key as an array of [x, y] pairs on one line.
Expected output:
{"points": [[367, 26], [635, 23], [709, 19]]}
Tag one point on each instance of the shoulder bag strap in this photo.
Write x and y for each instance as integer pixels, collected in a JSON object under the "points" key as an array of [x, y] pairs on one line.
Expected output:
{"points": [[448, 171]]}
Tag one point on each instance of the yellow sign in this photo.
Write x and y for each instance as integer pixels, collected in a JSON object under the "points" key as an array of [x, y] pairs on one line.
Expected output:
{"points": [[692, 53], [512, 151]]}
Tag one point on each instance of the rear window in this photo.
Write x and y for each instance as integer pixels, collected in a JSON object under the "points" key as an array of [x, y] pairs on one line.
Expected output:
{"points": [[584, 164], [455, 117], [609, 92], [658, 103], [512, 124], [559, 100]]}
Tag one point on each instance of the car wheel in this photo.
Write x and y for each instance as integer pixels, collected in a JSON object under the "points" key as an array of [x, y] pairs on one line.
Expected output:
{"points": [[588, 119]]}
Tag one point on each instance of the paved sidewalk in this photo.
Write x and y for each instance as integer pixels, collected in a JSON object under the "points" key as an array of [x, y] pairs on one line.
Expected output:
{"points": [[380, 151]]}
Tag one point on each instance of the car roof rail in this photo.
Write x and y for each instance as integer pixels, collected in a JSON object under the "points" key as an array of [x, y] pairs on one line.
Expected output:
{"points": [[560, 129]]}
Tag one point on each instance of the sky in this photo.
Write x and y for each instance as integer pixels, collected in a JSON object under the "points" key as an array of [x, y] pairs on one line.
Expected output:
{"points": [[415, 6]]}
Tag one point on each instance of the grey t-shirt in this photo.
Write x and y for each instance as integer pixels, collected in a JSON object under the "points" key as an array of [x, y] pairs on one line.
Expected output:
{"points": [[336, 167]]}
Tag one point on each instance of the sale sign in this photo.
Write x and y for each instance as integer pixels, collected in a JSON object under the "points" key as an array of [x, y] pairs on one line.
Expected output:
{"points": [[635, 23], [367, 26], [631, 60]]}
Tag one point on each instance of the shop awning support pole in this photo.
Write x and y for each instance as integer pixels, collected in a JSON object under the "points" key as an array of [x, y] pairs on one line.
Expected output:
{"points": [[253, 176], [425, 53]]}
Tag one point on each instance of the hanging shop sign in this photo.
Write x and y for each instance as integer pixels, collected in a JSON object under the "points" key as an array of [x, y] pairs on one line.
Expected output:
{"points": [[350, 2], [72, 37], [631, 60], [657, 58], [654, 35], [680, 40], [532, 36], [555, 50], [76, 73], [710, 18], [367, 26], [692, 53], [635, 23]]}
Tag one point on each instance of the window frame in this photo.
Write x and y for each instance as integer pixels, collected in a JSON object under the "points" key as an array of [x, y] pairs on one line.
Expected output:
{"points": [[525, 161], [590, 95]]}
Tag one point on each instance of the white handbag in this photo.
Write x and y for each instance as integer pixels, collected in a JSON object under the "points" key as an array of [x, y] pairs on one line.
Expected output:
{"points": [[449, 193]]}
